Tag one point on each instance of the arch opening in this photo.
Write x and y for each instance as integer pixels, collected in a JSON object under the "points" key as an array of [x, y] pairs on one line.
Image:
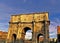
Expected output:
{"points": [[28, 33], [40, 38], [14, 37]]}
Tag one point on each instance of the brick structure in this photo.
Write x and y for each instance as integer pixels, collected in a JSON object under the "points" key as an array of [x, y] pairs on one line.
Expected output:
{"points": [[19, 24], [3, 35], [58, 33], [58, 29]]}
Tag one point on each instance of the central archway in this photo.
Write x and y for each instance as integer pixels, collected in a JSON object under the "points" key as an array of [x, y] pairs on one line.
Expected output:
{"points": [[28, 34]]}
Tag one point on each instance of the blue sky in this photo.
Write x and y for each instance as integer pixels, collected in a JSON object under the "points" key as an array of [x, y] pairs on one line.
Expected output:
{"points": [[11, 7]]}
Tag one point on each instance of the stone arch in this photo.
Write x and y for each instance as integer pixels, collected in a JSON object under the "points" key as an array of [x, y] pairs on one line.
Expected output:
{"points": [[40, 38], [14, 36], [33, 21], [25, 29]]}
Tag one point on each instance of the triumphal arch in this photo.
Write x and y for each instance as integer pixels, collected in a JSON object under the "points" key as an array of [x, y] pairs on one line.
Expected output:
{"points": [[19, 24]]}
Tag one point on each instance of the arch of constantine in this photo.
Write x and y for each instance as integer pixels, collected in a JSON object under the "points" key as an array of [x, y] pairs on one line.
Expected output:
{"points": [[20, 24]]}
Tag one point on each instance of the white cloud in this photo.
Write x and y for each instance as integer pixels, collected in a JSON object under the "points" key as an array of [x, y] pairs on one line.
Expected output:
{"points": [[3, 26], [53, 27], [28, 35]]}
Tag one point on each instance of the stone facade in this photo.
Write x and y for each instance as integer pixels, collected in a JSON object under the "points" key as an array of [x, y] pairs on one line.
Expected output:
{"points": [[37, 22]]}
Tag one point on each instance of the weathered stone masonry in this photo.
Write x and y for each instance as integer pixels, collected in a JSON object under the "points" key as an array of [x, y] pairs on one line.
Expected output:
{"points": [[37, 22]]}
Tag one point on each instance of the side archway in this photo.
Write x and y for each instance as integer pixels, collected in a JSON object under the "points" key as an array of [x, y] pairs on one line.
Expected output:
{"points": [[14, 37], [40, 38]]}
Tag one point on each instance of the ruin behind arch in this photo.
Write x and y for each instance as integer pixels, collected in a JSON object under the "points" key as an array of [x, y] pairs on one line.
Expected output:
{"points": [[37, 22]]}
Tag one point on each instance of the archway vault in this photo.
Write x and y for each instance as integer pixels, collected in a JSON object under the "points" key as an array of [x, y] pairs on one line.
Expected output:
{"points": [[14, 36], [24, 31]]}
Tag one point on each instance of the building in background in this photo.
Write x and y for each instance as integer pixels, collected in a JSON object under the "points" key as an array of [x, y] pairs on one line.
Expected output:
{"points": [[58, 33], [3, 35]]}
